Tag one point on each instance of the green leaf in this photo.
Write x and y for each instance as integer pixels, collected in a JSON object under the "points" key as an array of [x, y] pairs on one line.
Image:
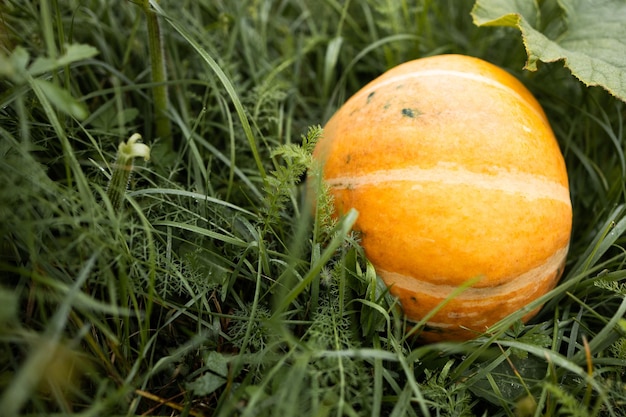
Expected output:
{"points": [[206, 384], [6, 69], [8, 306], [14, 65], [504, 379], [73, 53], [19, 58], [62, 99], [217, 367], [330, 62], [588, 35], [216, 363]]}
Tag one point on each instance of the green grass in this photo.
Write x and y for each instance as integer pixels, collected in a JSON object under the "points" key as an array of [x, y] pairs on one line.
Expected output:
{"points": [[213, 289]]}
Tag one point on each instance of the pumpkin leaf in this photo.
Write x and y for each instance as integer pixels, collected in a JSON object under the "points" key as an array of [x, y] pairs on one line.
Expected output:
{"points": [[588, 35]]}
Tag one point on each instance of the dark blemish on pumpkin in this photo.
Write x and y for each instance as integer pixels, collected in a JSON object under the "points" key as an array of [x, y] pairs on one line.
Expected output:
{"points": [[386, 106], [412, 113], [433, 329], [348, 158], [414, 299], [370, 96]]}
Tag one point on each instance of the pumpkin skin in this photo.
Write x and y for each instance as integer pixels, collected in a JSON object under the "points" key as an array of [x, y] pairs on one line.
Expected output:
{"points": [[456, 174]]}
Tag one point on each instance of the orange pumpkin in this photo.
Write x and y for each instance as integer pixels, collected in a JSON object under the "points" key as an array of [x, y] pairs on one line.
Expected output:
{"points": [[456, 174]]}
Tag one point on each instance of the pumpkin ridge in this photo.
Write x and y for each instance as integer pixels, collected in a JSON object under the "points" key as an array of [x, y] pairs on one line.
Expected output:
{"points": [[507, 286], [515, 182]]}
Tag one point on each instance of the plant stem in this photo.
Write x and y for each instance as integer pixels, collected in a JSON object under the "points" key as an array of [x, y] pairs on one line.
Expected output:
{"points": [[159, 73]]}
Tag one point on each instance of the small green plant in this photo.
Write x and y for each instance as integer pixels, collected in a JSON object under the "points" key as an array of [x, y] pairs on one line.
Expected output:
{"points": [[123, 168]]}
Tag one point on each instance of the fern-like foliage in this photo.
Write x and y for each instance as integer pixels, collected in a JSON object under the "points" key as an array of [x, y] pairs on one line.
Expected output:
{"points": [[281, 184], [612, 286], [448, 397], [344, 379]]}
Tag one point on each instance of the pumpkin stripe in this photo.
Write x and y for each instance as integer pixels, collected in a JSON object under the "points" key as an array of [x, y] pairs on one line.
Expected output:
{"points": [[479, 296], [448, 73], [515, 182]]}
